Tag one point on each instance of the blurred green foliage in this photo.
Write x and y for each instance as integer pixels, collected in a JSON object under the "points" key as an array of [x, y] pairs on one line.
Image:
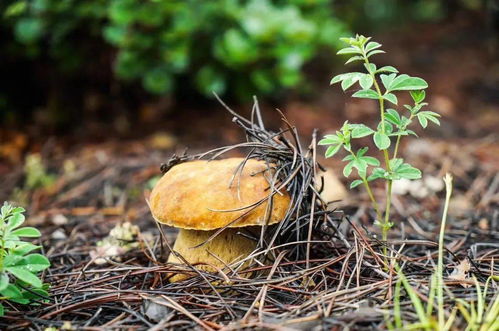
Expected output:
{"points": [[245, 46]]}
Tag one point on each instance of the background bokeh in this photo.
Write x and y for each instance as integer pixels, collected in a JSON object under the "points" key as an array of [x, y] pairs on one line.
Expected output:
{"points": [[100, 68]]}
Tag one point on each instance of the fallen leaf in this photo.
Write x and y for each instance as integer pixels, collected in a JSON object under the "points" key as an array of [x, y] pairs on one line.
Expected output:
{"points": [[460, 273]]}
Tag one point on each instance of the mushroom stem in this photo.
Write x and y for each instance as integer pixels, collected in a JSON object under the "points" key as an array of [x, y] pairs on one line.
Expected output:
{"points": [[226, 248]]}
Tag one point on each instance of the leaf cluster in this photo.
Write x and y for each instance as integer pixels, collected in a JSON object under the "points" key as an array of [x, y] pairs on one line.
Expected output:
{"points": [[393, 124], [217, 45], [19, 267]]}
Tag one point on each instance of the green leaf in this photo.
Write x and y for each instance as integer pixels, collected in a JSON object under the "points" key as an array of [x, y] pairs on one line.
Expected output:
{"points": [[377, 51], [36, 294], [404, 122], [29, 29], [434, 119], [381, 140], [387, 80], [346, 83], [371, 160], [17, 210], [366, 81], [210, 80], [349, 50], [158, 80], [347, 170], [391, 97], [414, 110], [27, 232], [412, 133], [349, 80], [11, 260], [354, 58], [361, 152], [4, 281], [24, 248], [361, 166], [406, 83], [407, 171], [2, 310], [393, 116], [388, 127], [372, 45], [355, 183], [332, 150], [330, 139], [422, 120], [349, 41], [36, 262], [15, 9], [15, 221], [399, 133], [418, 96], [429, 115], [11, 242], [369, 94], [388, 69], [377, 173], [337, 79], [361, 130], [11, 292], [349, 157], [395, 163], [370, 67], [25, 275]]}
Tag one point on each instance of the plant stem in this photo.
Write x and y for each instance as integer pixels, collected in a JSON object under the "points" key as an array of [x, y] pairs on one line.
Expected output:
{"points": [[440, 263], [395, 151], [385, 225], [2, 240], [397, 144], [2, 250], [369, 191], [371, 196]]}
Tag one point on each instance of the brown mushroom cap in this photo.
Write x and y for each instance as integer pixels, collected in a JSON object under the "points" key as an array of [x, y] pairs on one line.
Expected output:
{"points": [[193, 195]]}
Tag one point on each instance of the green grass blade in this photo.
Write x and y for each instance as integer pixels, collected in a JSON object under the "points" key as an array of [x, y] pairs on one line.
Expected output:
{"points": [[491, 319], [418, 305], [480, 301], [396, 306], [450, 321], [431, 295]]}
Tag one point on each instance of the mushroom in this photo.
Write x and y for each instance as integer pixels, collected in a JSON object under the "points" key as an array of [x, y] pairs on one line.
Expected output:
{"points": [[201, 197]]}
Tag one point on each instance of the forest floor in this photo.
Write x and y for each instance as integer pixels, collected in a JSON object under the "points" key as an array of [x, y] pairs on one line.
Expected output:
{"points": [[76, 194]]}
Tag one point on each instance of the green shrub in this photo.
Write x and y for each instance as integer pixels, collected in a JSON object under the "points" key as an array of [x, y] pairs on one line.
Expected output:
{"points": [[246, 46], [19, 267]]}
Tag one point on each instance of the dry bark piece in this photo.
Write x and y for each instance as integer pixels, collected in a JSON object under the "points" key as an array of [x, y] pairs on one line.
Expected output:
{"points": [[200, 197]]}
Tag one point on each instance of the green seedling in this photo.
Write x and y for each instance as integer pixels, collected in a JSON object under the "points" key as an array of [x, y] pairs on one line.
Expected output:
{"points": [[36, 177], [477, 314], [19, 267], [36, 173], [381, 84]]}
